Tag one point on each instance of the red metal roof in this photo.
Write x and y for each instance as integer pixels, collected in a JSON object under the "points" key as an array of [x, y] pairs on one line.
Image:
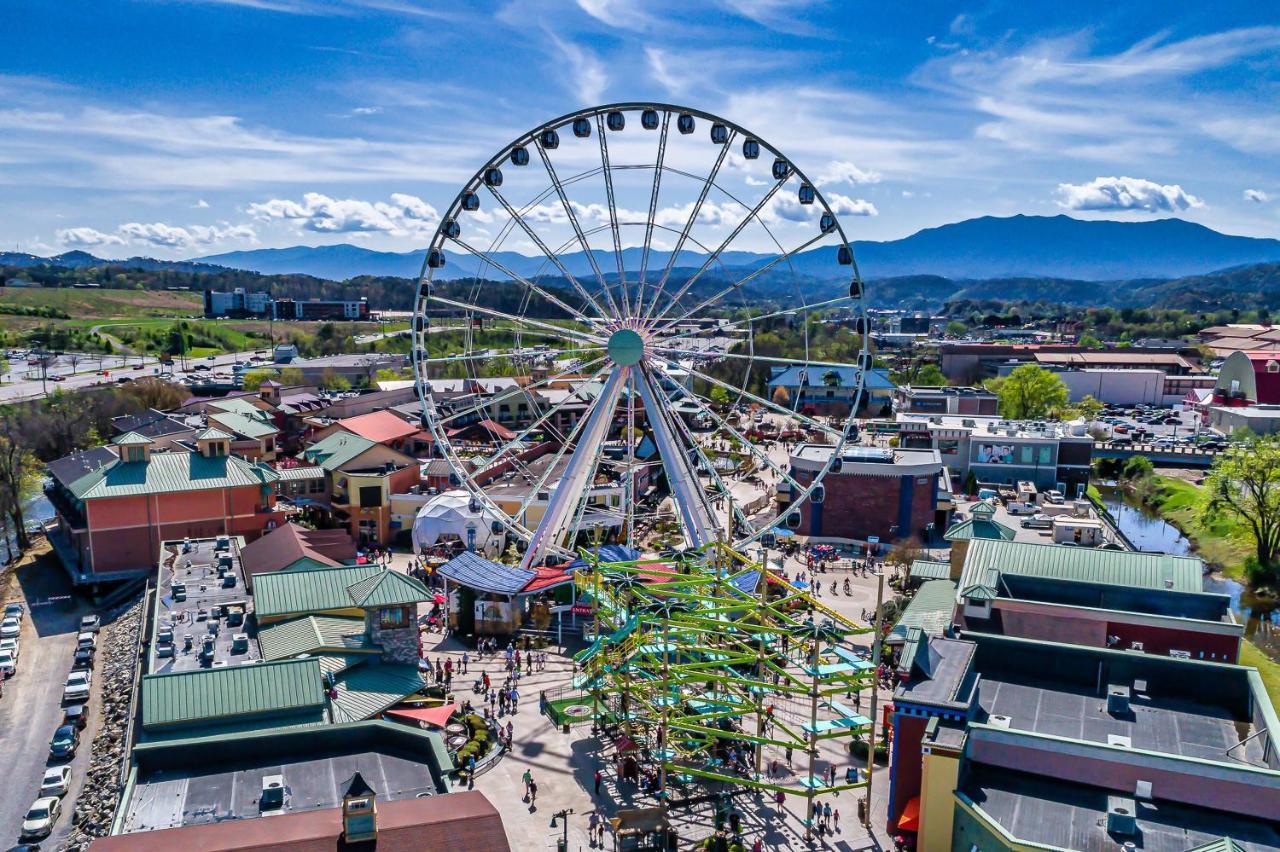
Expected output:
{"points": [[547, 578], [381, 427]]}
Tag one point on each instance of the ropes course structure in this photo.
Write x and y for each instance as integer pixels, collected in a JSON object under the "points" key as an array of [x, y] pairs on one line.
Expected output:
{"points": [[717, 672]]}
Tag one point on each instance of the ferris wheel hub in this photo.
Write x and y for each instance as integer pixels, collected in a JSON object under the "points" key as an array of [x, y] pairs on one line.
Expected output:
{"points": [[626, 347]]}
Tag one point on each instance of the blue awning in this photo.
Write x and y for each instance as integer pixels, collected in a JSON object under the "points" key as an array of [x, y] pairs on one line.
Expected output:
{"points": [[475, 572], [781, 532], [609, 553], [746, 581]]}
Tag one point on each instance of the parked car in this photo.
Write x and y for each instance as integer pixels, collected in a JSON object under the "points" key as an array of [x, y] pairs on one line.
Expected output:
{"points": [[1018, 508], [1053, 496], [86, 640], [8, 664], [14, 610], [90, 624], [77, 687], [10, 628], [74, 714], [1121, 428], [56, 781], [65, 742], [1037, 522], [83, 659], [1121, 441], [12, 644], [38, 822]]}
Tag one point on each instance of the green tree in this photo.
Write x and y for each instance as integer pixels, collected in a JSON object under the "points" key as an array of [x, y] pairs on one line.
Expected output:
{"points": [[1244, 485], [254, 378], [955, 328], [719, 395], [781, 396], [1089, 407], [19, 479], [329, 380], [1137, 468], [1029, 392], [1088, 341], [291, 376]]}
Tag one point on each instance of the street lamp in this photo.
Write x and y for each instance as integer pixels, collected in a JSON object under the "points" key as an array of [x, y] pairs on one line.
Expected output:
{"points": [[562, 845]]}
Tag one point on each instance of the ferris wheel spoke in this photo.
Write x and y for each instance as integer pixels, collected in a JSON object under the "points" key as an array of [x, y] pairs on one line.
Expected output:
{"points": [[577, 475], [520, 279], [613, 214], [533, 427], [523, 390], [577, 227], [558, 330], [693, 218], [711, 258], [511, 354], [744, 356], [772, 406], [691, 501], [515, 216], [757, 318], [711, 300], [653, 211]]}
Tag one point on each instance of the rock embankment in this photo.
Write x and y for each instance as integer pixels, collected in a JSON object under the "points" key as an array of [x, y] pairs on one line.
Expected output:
{"points": [[96, 804]]}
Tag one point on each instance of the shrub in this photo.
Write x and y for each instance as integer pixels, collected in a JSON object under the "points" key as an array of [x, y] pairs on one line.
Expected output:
{"points": [[859, 749]]}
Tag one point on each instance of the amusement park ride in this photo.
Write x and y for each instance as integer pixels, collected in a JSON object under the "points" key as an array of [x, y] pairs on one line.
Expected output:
{"points": [[662, 230]]}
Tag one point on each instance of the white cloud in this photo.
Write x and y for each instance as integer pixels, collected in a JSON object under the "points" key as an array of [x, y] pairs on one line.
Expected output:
{"points": [[1126, 193], [843, 205], [201, 204], [616, 13], [403, 215], [160, 235], [841, 171], [661, 71], [587, 76], [87, 238], [1257, 196]]}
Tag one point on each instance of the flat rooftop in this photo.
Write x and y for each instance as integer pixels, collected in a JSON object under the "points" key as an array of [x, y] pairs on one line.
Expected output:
{"points": [[1159, 723], [177, 797], [1051, 812], [989, 426], [214, 581]]}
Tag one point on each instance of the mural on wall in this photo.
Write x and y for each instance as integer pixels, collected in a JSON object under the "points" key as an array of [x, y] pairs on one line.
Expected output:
{"points": [[995, 454]]}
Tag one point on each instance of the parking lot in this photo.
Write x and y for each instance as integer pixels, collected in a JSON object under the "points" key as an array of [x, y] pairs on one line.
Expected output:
{"points": [[1126, 426], [31, 708]]}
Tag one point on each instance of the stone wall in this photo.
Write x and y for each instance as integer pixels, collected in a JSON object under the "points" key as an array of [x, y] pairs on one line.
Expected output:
{"points": [[399, 645]]}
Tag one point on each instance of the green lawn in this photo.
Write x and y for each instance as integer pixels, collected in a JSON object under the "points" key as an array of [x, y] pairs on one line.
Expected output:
{"points": [[1250, 655], [1223, 542]]}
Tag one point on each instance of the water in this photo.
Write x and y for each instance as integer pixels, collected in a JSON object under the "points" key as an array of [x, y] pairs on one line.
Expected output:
{"points": [[36, 509], [1147, 531]]}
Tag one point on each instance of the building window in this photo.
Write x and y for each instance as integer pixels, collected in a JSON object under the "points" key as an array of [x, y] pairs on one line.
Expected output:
{"points": [[392, 617], [1273, 366]]}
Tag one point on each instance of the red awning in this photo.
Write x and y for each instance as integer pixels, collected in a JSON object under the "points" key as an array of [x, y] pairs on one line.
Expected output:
{"points": [[625, 745], [435, 716], [910, 819]]}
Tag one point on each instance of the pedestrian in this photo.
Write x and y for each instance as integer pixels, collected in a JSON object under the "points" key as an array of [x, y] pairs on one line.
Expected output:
{"points": [[485, 680], [527, 778], [788, 757], [493, 700], [511, 729], [836, 814], [448, 667], [533, 793], [599, 779], [465, 659], [826, 815], [593, 826]]}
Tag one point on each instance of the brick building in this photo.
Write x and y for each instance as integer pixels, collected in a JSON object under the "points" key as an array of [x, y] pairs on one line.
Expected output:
{"points": [[890, 494]]}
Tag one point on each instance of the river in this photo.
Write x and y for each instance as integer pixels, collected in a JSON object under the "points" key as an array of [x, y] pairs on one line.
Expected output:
{"points": [[1147, 531]]}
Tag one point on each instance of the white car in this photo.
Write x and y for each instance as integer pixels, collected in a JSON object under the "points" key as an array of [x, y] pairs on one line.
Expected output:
{"points": [[14, 610], [8, 664], [56, 781], [40, 818], [77, 688], [11, 644], [90, 624], [10, 628]]}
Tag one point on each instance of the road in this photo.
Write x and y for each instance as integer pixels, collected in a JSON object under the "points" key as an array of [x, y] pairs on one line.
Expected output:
{"points": [[31, 709], [24, 382]]}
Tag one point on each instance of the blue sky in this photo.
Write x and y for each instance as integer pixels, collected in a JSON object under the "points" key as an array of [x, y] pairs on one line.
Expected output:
{"points": [[177, 129]]}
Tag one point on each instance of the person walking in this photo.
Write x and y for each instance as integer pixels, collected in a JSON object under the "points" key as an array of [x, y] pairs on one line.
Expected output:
{"points": [[836, 815], [527, 778], [515, 700], [465, 659], [593, 826], [599, 780], [511, 729], [533, 794]]}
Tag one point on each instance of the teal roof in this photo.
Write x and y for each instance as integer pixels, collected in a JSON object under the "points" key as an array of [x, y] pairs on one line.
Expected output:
{"points": [[930, 610], [337, 449], [132, 439], [222, 694], [170, 473], [312, 633], [252, 427], [928, 569], [213, 434], [365, 691], [1136, 570], [979, 528], [389, 588], [296, 592], [239, 405], [294, 474]]}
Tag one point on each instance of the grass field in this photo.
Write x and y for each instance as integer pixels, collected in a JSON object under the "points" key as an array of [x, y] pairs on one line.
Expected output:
{"points": [[1269, 669], [106, 303], [1221, 541]]}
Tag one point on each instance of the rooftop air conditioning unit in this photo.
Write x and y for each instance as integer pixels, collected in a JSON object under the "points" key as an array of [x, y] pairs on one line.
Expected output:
{"points": [[272, 797], [1117, 699], [1119, 740], [999, 721], [1122, 816]]}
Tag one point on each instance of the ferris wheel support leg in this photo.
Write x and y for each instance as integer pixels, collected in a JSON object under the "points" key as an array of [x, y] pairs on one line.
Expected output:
{"points": [[690, 499], [577, 476]]}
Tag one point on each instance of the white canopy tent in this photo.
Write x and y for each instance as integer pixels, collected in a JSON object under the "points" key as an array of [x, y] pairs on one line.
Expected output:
{"points": [[454, 516]]}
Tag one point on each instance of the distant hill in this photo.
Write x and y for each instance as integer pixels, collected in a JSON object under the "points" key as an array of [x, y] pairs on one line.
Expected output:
{"points": [[1246, 288], [1027, 247], [84, 260]]}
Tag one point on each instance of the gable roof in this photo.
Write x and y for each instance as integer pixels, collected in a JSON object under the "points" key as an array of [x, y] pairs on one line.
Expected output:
{"points": [[239, 404], [213, 433], [365, 691], [318, 591], [929, 569], [390, 588], [337, 449], [247, 425], [972, 528], [70, 468], [378, 426], [1135, 569], [930, 610], [132, 439], [476, 572], [224, 693], [288, 543], [312, 633], [171, 473], [150, 424]]}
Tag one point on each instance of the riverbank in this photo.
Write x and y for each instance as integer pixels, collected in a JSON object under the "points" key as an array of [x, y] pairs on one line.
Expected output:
{"points": [[1222, 542], [1269, 669]]}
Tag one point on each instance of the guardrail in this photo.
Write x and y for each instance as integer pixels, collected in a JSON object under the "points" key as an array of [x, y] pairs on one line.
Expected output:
{"points": [[1174, 455]]}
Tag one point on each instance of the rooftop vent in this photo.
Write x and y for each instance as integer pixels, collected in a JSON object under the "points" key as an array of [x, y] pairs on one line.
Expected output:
{"points": [[1122, 815], [1119, 740], [1117, 699], [999, 721], [1142, 790], [272, 797]]}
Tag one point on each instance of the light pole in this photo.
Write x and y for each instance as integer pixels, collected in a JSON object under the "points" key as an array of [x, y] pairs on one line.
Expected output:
{"points": [[562, 845]]}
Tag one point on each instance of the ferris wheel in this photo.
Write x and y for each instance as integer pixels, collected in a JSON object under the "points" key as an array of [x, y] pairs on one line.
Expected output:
{"points": [[616, 329]]}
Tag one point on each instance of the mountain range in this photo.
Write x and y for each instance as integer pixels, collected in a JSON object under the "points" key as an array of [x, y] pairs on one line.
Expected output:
{"points": [[982, 248]]}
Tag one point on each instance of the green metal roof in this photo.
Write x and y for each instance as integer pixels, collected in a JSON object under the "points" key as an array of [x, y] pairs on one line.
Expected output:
{"points": [[169, 473], [337, 449], [239, 405], [979, 528], [388, 589], [365, 691], [132, 439], [293, 474], [930, 610], [336, 664], [928, 569], [213, 434], [244, 424], [1080, 564], [210, 695], [289, 592], [312, 633]]}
